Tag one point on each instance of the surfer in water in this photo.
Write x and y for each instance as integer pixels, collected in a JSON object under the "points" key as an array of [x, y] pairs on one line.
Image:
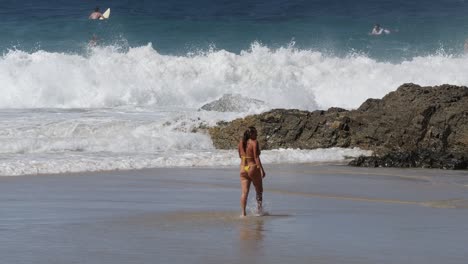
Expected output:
{"points": [[96, 14], [378, 30], [251, 169]]}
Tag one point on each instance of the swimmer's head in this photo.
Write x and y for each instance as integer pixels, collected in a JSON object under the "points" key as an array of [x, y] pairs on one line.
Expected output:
{"points": [[96, 9]]}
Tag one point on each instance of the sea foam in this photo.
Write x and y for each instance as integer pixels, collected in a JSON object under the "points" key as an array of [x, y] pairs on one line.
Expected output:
{"points": [[285, 77], [14, 165]]}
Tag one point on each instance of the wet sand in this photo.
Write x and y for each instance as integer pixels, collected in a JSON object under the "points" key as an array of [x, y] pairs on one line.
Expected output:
{"points": [[316, 214]]}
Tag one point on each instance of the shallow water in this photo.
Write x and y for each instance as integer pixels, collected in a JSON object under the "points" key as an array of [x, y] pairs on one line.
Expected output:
{"points": [[316, 213]]}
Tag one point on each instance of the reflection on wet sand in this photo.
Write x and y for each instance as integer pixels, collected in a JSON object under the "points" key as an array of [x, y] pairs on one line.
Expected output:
{"points": [[252, 229], [251, 238]]}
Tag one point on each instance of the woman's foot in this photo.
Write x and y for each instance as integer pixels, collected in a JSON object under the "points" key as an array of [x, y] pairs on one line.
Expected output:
{"points": [[261, 212]]}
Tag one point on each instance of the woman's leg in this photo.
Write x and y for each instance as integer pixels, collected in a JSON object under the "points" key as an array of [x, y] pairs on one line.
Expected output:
{"points": [[245, 186], [255, 175]]}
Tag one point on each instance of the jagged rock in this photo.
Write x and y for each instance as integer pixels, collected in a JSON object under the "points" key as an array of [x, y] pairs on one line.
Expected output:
{"points": [[410, 119], [414, 159], [233, 103]]}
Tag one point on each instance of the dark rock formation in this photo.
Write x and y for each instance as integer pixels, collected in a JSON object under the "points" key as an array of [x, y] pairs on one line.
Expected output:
{"points": [[412, 119], [233, 103], [414, 159]]}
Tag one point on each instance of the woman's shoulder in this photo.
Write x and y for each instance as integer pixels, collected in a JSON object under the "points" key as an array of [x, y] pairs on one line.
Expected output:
{"points": [[252, 142]]}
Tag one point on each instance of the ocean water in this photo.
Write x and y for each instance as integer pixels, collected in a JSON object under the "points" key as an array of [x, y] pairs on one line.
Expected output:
{"points": [[132, 101]]}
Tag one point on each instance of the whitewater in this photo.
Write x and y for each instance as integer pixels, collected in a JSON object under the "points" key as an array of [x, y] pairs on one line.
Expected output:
{"points": [[120, 108]]}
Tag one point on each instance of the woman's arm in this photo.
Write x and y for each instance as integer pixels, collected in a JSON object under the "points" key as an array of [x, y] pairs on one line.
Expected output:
{"points": [[258, 162]]}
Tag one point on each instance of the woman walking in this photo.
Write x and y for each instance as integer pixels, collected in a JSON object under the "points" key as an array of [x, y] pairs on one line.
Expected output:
{"points": [[251, 169]]}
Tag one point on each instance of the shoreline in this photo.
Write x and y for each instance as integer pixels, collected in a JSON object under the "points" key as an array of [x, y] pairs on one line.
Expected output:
{"points": [[316, 163], [347, 169], [315, 169]]}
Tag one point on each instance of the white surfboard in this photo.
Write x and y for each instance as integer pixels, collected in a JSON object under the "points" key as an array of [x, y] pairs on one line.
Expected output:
{"points": [[105, 15]]}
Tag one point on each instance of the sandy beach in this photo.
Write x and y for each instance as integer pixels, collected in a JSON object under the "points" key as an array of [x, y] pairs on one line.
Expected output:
{"points": [[316, 214]]}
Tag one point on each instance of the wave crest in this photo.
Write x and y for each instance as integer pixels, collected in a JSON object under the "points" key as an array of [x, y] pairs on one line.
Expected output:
{"points": [[286, 77]]}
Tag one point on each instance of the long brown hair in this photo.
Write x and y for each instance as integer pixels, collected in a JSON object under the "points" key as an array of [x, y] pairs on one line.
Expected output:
{"points": [[247, 134]]}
